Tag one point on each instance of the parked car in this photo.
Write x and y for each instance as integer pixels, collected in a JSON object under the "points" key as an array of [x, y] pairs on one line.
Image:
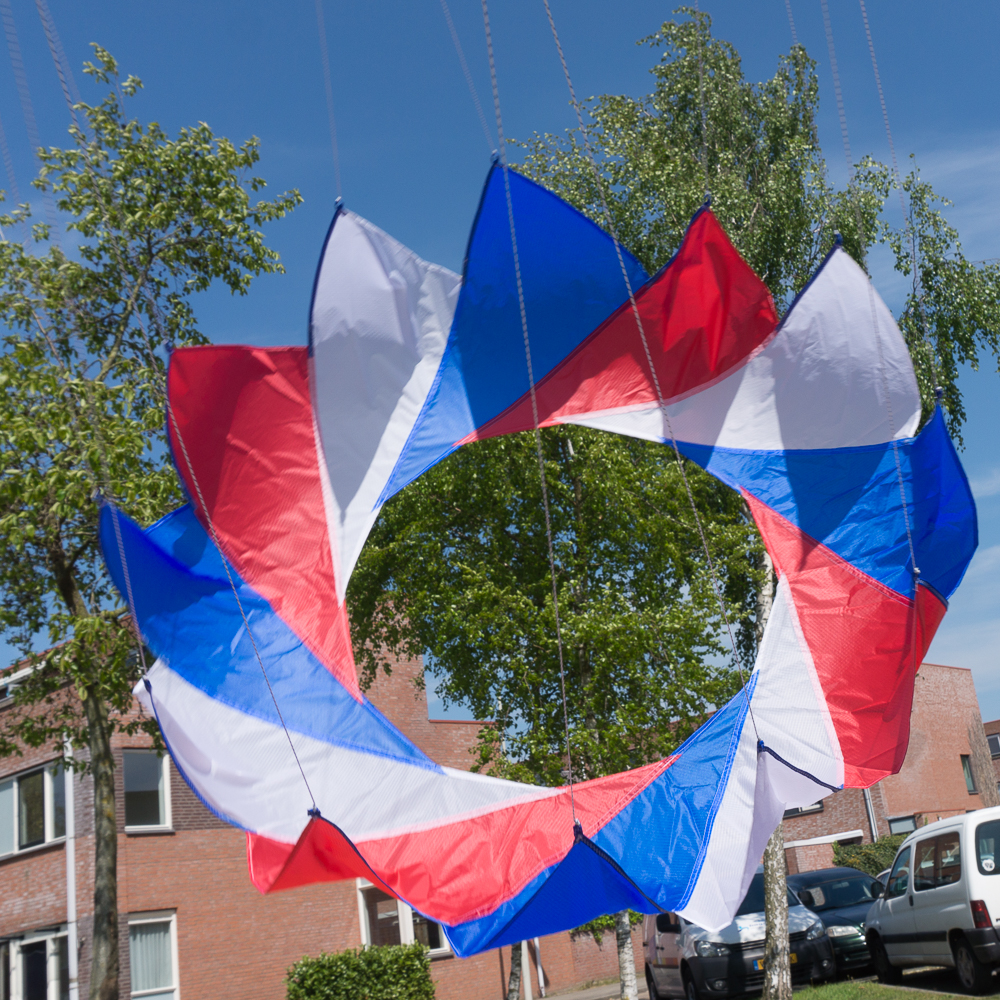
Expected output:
{"points": [[684, 960], [841, 898], [941, 900]]}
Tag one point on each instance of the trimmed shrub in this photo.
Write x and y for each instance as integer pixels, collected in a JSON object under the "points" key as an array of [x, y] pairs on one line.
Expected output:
{"points": [[869, 858], [390, 972]]}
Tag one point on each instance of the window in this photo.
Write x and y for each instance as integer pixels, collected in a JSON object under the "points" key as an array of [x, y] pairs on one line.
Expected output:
{"points": [[32, 809], [970, 781], [35, 968], [387, 920], [152, 946], [903, 824], [987, 842], [899, 878], [147, 790], [800, 810], [994, 743], [937, 862]]}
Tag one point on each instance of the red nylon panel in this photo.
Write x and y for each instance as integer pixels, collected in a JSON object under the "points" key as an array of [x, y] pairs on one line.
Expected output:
{"points": [[466, 868], [246, 420], [704, 316], [866, 641]]}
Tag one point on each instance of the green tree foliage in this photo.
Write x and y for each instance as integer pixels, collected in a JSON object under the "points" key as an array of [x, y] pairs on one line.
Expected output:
{"points": [[390, 972], [152, 220], [458, 566], [870, 858]]}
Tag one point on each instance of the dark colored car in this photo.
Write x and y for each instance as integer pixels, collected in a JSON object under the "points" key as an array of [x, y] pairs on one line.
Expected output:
{"points": [[841, 898]]}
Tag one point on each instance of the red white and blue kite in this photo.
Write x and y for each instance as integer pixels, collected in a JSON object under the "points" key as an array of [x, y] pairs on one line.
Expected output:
{"points": [[288, 454]]}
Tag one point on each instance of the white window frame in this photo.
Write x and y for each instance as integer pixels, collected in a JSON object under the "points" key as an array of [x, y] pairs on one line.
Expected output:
{"points": [[157, 917], [51, 938], [405, 922], [48, 806], [168, 825]]}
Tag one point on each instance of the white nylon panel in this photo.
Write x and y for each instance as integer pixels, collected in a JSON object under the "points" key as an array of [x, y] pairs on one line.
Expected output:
{"points": [[820, 383], [792, 718], [379, 324], [244, 769]]}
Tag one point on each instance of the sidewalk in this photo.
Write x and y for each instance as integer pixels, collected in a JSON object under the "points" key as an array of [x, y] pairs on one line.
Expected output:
{"points": [[609, 991]]}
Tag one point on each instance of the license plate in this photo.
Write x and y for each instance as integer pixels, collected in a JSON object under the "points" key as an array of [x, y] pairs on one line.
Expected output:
{"points": [[758, 963]]}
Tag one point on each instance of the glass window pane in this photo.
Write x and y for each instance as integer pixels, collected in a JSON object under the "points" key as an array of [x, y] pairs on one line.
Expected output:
{"points": [[949, 860], [970, 782], [987, 842], [383, 917], [58, 801], [143, 774], [34, 971], [6, 821], [31, 810], [427, 932], [899, 877], [923, 866], [149, 949], [5, 971]]}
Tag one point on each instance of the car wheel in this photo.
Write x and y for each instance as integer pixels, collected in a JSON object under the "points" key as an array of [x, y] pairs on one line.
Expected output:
{"points": [[974, 976], [654, 993], [690, 990], [884, 969]]}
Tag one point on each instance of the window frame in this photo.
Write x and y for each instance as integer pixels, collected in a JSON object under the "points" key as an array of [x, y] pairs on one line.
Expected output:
{"points": [[49, 837], [902, 819], [968, 773], [156, 917], [168, 815], [405, 912], [51, 937], [990, 738]]}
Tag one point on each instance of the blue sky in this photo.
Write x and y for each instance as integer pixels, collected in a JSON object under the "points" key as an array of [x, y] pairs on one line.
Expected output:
{"points": [[413, 155]]}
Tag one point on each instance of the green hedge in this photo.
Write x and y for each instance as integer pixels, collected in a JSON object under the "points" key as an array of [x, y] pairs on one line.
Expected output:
{"points": [[393, 972], [870, 858]]}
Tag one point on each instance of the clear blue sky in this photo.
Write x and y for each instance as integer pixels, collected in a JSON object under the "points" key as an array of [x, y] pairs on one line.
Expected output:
{"points": [[413, 155]]}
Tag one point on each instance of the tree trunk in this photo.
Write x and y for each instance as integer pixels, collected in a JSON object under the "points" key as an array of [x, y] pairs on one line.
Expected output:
{"points": [[514, 981], [777, 970], [104, 946], [626, 956]]}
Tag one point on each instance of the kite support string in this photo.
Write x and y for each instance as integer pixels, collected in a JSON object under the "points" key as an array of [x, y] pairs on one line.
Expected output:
{"points": [[229, 576], [899, 187], [914, 569], [791, 22], [5, 8], [649, 360], [321, 25], [701, 98], [468, 75], [501, 142]]}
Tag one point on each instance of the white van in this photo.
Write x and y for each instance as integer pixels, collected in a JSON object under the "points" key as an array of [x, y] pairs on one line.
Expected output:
{"points": [[941, 904]]}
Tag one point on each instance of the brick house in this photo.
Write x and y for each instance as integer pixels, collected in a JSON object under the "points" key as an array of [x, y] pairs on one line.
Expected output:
{"points": [[947, 771], [192, 927], [992, 730]]}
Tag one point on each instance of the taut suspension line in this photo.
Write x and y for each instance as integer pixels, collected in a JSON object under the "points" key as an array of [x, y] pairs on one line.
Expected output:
{"points": [[534, 400]]}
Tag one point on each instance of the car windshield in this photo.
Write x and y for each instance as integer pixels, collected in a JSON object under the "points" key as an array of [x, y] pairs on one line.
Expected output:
{"points": [[839, 892], [753, 902]]}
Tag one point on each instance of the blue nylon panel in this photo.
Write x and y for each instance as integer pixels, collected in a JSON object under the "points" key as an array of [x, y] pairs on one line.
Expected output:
{"points": [[659, 839], [572, 282], [848, 499], [189, 617]]}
